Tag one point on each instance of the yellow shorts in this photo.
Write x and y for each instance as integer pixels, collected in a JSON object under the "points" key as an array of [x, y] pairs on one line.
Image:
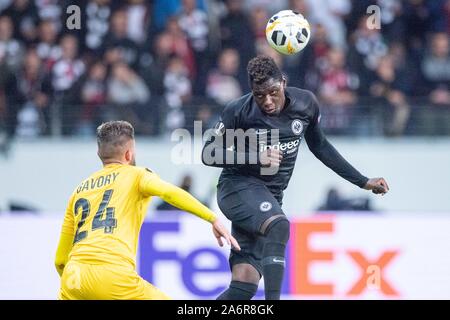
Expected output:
{"points": [[82, 281]]}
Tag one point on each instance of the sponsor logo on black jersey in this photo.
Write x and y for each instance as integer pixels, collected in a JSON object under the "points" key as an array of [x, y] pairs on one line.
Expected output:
{"points": [[289, 146]]}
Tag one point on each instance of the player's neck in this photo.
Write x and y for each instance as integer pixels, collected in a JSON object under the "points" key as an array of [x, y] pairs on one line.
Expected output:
{"points": [[286, 103], [107, 163]]}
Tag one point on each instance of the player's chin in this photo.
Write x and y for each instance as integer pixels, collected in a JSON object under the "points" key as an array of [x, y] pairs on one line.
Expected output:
{"points": [[271, 112]]}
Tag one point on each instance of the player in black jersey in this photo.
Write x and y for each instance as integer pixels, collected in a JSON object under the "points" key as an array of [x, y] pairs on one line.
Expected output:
{"points": [[256, 143]]}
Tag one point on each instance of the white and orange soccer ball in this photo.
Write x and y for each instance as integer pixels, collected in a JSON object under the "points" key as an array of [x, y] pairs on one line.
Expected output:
{"points": [[288, 32]]}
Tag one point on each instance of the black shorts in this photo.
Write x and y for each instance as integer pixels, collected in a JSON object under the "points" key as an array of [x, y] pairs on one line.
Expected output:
{"points": [[247, 203]]}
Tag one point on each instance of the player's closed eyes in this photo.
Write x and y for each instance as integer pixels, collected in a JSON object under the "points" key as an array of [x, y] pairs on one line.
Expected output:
{"points": [[272, 93]]}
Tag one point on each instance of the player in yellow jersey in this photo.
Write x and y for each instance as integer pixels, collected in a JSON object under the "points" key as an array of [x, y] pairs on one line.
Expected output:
{"points": [[97, 248]]}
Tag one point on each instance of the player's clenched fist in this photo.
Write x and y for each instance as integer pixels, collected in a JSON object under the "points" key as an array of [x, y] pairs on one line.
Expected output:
{"points": [[377, 185]]}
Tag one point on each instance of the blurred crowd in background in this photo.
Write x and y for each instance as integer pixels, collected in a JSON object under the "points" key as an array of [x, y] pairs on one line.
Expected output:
{"points": [[162, 64]]}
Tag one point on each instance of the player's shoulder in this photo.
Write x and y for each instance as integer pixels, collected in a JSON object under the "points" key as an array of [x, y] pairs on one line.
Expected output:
{"points": [[142, 174], [302, 95], [143, 170], [302, 99], [236, 105]]}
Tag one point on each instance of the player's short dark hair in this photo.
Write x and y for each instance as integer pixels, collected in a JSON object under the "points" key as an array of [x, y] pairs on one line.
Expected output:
{"points": [[262, 68], [112, 137]]}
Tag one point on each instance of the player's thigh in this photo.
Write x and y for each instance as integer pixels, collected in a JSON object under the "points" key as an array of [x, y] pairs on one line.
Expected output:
{"points": [[83, 281], [150, 292], [247, 208], [128, 285], [105, 282], [72, 287]]}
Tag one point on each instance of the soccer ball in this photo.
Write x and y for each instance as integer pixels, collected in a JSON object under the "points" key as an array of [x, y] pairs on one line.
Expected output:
{"points": [[288, 32]]}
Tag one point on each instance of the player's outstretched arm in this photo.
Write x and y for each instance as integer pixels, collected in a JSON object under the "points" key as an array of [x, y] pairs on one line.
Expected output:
{"points": [[65, 240], [151, 184], [186, 202], [62, 253], [325, 151]]}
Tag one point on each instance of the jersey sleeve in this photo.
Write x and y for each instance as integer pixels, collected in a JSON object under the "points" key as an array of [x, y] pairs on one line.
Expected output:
{"points": [[326, 153], [66, 238], [219, 151], [151, 185]]}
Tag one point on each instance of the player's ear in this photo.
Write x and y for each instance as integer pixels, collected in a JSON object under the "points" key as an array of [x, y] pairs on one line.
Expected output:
{"points": [[129, 151], [284, 81], [128, 155]]}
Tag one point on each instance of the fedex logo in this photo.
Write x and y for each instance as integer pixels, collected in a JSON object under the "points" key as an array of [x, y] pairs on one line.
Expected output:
{"points": [[303, 261], [302, 258]]}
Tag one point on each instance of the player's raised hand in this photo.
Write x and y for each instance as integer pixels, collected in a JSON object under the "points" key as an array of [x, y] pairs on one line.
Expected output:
{"points": [[270, 158], [221, 232], [377, 185]]}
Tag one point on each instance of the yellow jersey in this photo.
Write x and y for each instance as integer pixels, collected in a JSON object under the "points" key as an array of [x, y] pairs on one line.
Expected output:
{"points": [[106, 211]]}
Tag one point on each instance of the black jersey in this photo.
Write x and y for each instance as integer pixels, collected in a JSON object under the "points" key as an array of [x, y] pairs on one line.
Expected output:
{"points": [[298, 120]]}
